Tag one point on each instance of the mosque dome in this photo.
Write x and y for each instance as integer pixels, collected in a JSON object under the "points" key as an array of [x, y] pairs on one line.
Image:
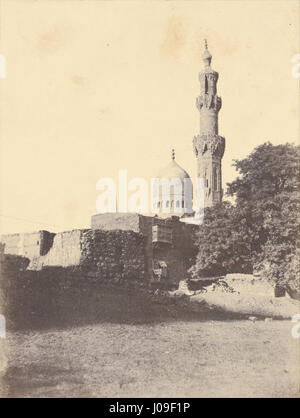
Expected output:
{"points": [[172, 171], [176, 198]]}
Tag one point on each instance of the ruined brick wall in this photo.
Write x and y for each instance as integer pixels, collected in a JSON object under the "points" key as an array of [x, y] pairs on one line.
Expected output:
{"points": [[116, 256], [68, 282], [112, 221], [32, 244], [129, 222], [11, 285], [108, 255], [98, 267], [177, 254], [105, 255], [111, 263], [65, 251], [61, 297], [120, 247]]}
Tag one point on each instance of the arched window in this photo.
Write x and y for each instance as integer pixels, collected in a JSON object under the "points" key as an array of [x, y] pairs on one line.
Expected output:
{"points": [[158, 204], [183, 203], [167, 203], [178, 203]]}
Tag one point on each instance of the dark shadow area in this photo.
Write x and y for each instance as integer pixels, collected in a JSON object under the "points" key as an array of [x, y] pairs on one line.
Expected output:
{"points": [[63, 297], [47, 242], [31, 376]]}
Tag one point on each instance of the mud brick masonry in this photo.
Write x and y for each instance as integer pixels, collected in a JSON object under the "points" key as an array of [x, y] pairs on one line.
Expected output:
{"points": [[118, 247]]}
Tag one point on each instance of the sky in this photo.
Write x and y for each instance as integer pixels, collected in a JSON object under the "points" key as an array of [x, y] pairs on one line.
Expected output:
{"points": [[93, 87]]}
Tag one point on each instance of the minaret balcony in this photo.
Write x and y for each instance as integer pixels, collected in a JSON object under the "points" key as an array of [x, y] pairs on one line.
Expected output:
{"points": [[209, 101]]}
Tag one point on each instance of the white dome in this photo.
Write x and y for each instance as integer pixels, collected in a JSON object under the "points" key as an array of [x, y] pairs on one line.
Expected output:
{"points": [[176, 198], [172, 171]]}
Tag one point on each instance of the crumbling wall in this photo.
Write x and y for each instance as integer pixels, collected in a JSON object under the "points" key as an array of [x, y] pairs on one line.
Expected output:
{"points": [[129, 222], [30, 244], [119, 247], [176, 254], [113, 221], [65, 251], [115, 256], [99, 287], [106, 255], [27, 245], [70, 283]]}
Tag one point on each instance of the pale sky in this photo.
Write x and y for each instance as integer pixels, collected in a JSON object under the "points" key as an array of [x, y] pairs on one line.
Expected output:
{"points": [[93, 87]]}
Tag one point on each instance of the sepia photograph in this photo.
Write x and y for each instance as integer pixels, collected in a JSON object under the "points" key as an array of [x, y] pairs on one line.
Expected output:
{"points": [[149, 201]]}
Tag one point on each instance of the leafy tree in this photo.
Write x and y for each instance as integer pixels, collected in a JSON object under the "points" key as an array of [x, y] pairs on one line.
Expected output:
{"points": [[268, 171], [279, 256], [268, 192], [261, 229], [224, 242]]}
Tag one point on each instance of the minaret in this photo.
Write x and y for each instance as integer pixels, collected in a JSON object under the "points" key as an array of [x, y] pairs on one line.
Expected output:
{"points": [[209, 146]]}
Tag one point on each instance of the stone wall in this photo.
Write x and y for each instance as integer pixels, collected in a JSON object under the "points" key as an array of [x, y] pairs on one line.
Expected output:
{"points": [[118, 247], [115, 256], [175, 254], [29, 245], [65, 251], [63, 297], [112, 221], [105, 255], [99, 266]]}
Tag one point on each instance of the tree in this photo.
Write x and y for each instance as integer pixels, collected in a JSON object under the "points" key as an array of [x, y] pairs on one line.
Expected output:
{"points": [[224, 243], [279, 256], [268, 193], [261, 230], [268, 171]]}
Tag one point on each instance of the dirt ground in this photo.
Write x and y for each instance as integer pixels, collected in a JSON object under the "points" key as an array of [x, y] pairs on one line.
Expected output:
{"points": [[167, 359]]}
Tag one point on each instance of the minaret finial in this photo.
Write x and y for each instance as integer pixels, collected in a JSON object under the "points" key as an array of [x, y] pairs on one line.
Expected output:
{"points": [[206, 55], [173, 154]]}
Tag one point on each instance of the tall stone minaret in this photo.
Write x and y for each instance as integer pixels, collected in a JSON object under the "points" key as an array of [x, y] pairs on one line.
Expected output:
{"points": [[209, 146]]}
